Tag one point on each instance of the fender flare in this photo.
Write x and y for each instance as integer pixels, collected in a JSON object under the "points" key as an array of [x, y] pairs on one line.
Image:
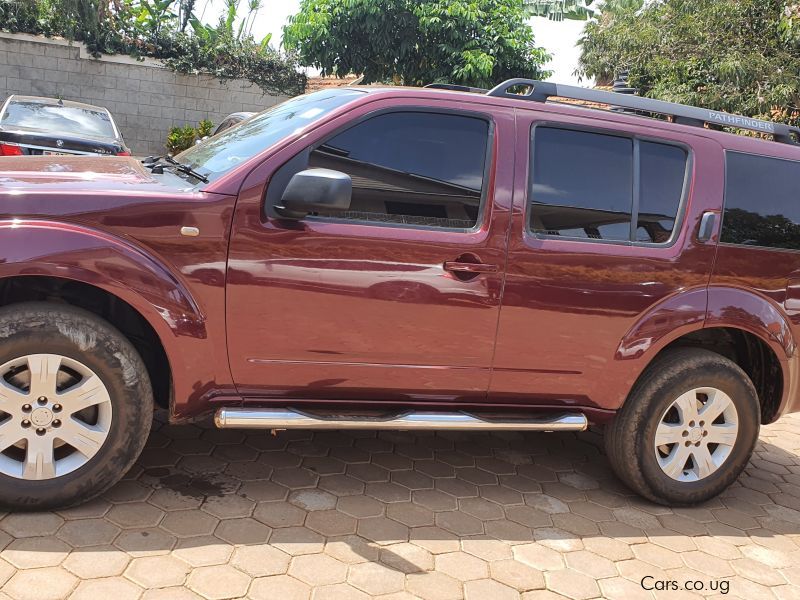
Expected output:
{"points": [[74, 252]]}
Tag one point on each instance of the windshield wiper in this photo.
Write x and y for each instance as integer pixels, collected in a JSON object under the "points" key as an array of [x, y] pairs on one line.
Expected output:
{"points": [[156, 165]]}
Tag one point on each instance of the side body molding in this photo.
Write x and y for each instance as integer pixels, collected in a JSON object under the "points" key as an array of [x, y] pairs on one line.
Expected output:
{"points": [[83, 254]]}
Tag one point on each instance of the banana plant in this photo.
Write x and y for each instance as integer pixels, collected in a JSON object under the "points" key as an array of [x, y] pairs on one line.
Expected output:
{"points": [[154, 15]]}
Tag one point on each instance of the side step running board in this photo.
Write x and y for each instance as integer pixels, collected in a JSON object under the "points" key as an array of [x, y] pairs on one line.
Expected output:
{"points": [[284, 418]]}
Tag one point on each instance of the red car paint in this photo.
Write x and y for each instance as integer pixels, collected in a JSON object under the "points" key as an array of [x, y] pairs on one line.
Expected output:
{"points": [[561, 323]]}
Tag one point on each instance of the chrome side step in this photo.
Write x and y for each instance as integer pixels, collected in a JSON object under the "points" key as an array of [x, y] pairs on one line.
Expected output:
{"points": [[285, 418]]}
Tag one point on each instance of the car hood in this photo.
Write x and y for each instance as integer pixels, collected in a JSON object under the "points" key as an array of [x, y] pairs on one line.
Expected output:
{"points": [[122, 174]]}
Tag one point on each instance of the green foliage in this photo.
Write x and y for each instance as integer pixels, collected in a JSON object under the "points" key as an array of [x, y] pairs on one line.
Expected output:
{"points": [[180, 139], [740, 56], [204, 128], [471, 42], [159, 29]]}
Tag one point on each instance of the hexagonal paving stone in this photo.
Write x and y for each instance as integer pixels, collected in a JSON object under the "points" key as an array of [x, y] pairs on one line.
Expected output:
{"points": [[188, 523], [117, 588], [260, 561], [352, 549], [516, 575], [96, 562], [312, 499], [317, 569], [375, 579], [539, 557], [30, 524], [203, 551], [331, 522], [52, 583], [297, 540], [434, 586], [229, 506], [145, 542], [279, 514], [88, 532], [360, 506], [242, 531], [572, 584], [487, 588], [31, 553], [382, 531], [157, 571], [135, 515], [462, 566], [218, 582], [407, 558], [280, 587]]}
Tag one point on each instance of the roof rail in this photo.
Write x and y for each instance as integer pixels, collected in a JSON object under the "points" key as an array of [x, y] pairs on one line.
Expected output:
{"points": [[457, 88], [541, 91]]}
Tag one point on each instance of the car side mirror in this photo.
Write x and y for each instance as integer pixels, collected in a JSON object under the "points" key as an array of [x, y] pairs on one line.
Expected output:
{"points": [[313, 190]]}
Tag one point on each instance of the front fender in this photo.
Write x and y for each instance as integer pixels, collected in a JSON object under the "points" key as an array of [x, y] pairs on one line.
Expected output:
{"points": [[79, 253], [74, 252]]}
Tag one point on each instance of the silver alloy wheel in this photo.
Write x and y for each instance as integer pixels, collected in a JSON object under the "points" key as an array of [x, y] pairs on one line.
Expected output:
{"points": [[696, 434], [56, 415]]}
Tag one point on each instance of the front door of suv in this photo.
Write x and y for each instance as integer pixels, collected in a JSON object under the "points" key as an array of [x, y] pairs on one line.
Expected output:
{"points": [[376, 302], [603, 255]]}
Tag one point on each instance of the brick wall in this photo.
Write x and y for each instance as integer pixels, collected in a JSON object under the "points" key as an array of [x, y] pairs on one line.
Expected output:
{"points": [[145, 98]]}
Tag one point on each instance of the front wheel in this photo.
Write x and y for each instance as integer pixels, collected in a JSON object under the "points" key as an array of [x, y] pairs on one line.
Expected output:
{"points": [[75, 406], [687, 430]]}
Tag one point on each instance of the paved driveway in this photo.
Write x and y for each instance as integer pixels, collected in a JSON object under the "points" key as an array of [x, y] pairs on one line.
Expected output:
{"points": [[227, 514]]}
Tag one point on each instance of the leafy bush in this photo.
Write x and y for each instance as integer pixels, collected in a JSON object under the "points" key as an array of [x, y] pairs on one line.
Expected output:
{"points": [[160, 29], [180, 138], [204, 128]]}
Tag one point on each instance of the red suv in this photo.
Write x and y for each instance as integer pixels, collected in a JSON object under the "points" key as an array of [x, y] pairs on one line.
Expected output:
{"points": [[408, 258]]}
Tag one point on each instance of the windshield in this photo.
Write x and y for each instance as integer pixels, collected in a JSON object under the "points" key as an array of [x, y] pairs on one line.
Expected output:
{"points": [[221, 153], [59, 119]]}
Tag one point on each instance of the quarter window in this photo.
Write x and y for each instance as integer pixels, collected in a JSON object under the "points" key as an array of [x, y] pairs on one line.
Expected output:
{"points": [[583, 186], [414, 168], [762, 202]]}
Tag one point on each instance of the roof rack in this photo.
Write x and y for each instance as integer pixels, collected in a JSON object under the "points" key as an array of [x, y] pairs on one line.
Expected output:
{"points": [[541, 91], [457, 88]]}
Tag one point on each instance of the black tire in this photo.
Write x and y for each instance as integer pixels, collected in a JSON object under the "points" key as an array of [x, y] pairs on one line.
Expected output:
{"points": [[48, 328], [629, 438]]}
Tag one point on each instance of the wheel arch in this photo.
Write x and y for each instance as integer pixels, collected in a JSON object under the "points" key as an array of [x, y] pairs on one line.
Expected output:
{"points": [[104, 304]]}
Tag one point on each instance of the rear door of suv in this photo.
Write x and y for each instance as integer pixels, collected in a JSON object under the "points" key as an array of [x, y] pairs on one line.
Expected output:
{"points": [[396, 298], [603, 240]]}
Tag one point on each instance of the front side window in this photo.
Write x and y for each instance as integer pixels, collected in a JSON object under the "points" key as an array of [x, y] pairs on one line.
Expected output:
{"points": [[762, 202], [412, 168], [583, 185]]}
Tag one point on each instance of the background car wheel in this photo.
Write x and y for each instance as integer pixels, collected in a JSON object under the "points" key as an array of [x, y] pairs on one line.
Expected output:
{"points": [[687, 429], [76, 406]]}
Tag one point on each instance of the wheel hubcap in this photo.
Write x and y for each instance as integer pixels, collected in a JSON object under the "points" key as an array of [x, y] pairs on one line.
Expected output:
{"points": [[55, 415], [696, 434]]}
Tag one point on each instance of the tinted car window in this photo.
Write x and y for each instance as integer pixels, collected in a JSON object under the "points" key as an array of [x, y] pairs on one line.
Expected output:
{"points": [[58, 119], [582, 184], [662, 171], [762, 202], [411, 167]]}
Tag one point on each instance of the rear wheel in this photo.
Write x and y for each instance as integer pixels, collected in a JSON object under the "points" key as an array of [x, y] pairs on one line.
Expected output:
{"points": [[75, 405], [687, 430]]}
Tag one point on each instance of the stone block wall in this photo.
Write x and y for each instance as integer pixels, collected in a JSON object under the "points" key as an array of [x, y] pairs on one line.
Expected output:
{"points": [[145, 98]]}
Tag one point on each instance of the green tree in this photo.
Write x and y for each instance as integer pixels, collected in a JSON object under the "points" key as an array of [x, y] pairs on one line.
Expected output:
{"points": [[741, 56], [470, 42]]}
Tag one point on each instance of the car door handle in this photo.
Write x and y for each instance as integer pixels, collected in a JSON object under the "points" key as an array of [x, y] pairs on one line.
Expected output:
{"points": [[455, 266]]}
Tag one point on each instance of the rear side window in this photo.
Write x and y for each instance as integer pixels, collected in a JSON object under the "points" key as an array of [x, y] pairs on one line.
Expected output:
{"points": [[762, 202], [587, 185], [412, 168]]}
